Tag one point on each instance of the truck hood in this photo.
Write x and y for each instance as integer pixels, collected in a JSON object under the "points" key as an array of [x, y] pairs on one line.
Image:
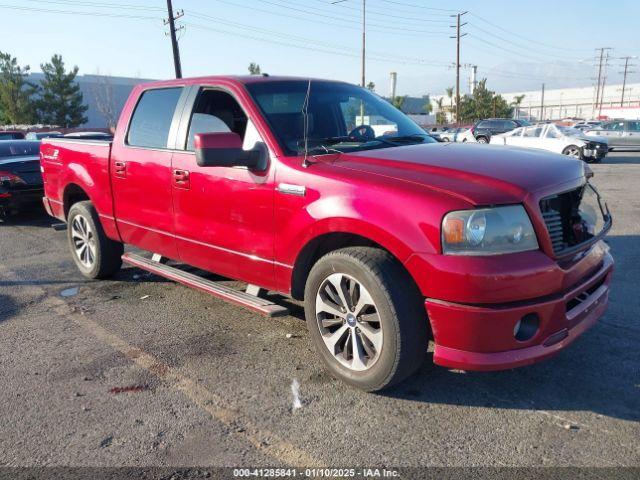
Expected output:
{"points": [[478, 174]]}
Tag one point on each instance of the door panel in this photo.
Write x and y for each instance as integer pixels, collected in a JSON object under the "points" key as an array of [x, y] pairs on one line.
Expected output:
{"points": [[223, 218], [141, 173]]}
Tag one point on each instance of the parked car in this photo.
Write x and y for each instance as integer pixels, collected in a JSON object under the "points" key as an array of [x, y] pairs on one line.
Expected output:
{"points": [[41, 135], [484, 129], [451, 134], [465, 135], [621, 134], [556, 138], [388, 240], [20, 177], [11, 135], [439, 132], [588, 125]]}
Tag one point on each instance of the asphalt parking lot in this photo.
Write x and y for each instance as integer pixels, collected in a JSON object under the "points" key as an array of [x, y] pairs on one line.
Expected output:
{"points": [[139, 371]]}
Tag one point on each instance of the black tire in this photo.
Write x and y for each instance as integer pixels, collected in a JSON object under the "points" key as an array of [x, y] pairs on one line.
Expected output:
{"points": [[482, 139], [107, 256], [445, 139], [400, 306]]}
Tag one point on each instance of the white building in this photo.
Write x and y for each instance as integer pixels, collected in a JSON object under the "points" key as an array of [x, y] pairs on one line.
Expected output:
{"points": [[573, 103]]}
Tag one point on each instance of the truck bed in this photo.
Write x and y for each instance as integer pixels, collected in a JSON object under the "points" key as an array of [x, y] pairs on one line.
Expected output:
{"points": [[73, 168]]}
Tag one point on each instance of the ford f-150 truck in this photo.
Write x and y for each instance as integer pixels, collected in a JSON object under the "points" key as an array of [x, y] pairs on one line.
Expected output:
{"points": [[325, 192]]}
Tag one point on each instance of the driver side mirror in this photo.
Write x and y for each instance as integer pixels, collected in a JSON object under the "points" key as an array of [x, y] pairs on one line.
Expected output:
{"points": [[224, 150]]}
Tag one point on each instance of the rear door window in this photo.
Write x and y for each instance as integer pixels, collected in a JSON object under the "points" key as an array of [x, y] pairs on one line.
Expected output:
{"points": [[152, 118]]}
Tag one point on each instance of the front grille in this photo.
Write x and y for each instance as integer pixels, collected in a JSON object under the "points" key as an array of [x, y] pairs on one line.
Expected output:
{"points": [[553, 220], [562, 215]]}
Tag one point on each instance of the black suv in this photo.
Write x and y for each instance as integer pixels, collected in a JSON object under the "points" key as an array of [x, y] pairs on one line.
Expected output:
{"points": [[483, 129]]}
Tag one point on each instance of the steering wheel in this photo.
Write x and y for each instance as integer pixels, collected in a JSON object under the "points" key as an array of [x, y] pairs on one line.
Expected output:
{"points": [[362, 132]]}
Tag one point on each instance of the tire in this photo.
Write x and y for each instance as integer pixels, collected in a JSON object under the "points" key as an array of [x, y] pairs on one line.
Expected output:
{"points": [[95, 255], [391, 331], [482, 140], [445, 139], [572, 151]]}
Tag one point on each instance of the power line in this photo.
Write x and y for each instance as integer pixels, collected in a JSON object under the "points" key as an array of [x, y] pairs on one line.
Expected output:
{"points": [[554, 47], [387, 15], [514, 44], [421, 7]]}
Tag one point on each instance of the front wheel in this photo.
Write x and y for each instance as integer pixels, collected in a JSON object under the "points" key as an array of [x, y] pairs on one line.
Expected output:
{"points": [[572, 151], [482, 140], [95, 254], [366, 317]]}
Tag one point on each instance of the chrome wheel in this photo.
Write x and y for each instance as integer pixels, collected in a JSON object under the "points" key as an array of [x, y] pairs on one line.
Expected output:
{"points": [[572, 152], [349, 322], [84, 242]]}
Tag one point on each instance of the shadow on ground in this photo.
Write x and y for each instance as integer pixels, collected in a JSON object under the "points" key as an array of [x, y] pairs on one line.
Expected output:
{"points": [[619, 157]]}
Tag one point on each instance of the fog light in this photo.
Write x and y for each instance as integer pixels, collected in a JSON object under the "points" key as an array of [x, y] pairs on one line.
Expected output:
{"points": [[526, 327]]}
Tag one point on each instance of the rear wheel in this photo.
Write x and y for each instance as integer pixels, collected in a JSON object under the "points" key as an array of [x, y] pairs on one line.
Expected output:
{"points": [[572, 151], [366, 317], [95, 255]]}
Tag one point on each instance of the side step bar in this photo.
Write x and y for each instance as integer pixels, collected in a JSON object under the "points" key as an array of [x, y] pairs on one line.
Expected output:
{"points": [[243, 299]]}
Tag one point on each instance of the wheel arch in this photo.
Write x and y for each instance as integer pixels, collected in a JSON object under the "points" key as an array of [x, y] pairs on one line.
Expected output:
{"points": [[73, 193], [327, 242]]}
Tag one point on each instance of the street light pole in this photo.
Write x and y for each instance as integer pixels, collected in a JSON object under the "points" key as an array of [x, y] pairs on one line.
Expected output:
{"points": [[364, 39]]}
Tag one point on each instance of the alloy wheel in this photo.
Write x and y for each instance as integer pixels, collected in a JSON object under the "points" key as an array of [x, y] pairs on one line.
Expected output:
{"points": [[84, 242], [572, 152], [349, 322]]}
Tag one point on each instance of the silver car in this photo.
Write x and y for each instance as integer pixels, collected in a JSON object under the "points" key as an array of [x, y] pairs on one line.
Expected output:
{"points": [[621, 134]]}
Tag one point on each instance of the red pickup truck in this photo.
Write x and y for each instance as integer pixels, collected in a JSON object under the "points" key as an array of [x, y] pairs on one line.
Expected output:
{"points": [[325, 192]]}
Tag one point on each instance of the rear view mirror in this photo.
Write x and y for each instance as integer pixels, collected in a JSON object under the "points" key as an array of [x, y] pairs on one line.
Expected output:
{"points": [[224, 150]]}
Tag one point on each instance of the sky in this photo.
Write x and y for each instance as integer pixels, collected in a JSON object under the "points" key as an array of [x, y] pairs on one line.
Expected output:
{"points": [[517, 45]]}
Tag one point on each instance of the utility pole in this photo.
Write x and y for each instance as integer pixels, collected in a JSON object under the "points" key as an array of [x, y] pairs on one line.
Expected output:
{"points": [[457, 26], [604, 81], [172, 32], [542, 104], [600, 65], [364, 35], [624, 77]]}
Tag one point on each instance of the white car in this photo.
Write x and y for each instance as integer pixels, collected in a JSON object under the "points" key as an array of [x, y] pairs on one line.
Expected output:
{"points": [[556, 138]]}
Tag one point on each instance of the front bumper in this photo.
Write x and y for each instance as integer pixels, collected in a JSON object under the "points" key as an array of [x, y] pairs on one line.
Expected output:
{"points": [[16, 199], [597, 153], [481, 337]]}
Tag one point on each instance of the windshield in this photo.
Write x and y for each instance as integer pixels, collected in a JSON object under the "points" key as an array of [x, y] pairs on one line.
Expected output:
{"points": [[341, 117]]}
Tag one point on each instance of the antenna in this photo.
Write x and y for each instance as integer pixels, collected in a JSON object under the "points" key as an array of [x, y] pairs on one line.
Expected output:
{"points": [[305, 125]]}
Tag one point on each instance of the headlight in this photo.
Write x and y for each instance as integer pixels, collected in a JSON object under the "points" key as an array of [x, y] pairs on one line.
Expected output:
{"points": [[488, 231]]}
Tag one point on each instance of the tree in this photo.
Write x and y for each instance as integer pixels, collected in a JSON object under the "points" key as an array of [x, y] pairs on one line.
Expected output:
{"points": [[428, 107], [441, 117], [102, 91], [517, 101], [61, 101], [450, 95], [398, 102], [254, 69], [483, 104], [371, 86], [16, 92]]}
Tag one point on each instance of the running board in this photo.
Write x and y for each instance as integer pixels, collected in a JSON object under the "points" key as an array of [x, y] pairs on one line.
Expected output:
{"points": [[260, 305]]}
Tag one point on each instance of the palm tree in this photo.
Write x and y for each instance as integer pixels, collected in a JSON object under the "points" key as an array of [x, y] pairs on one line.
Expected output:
{"points": [[450, 95], [516, 104], [440, 116]]}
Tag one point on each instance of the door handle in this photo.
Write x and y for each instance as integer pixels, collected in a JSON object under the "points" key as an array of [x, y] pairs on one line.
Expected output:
{"points": [[120, 168], [181, 178]]}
